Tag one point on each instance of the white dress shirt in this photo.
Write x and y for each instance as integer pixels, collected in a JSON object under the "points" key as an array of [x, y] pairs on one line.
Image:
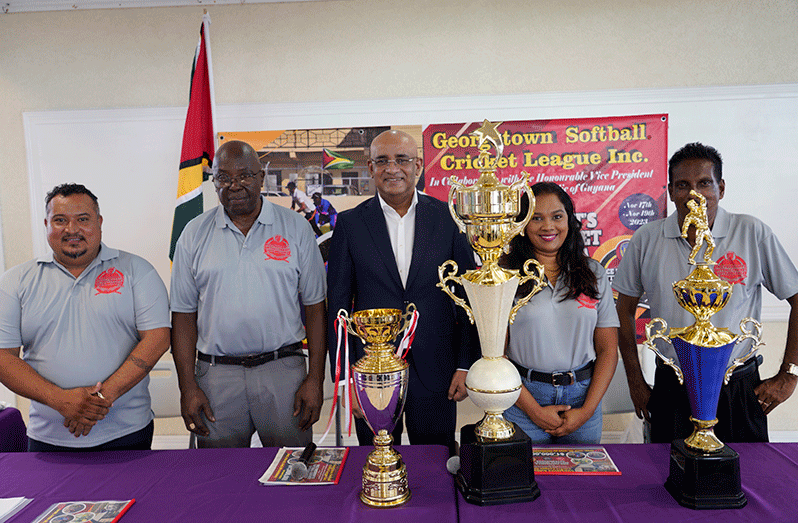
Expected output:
{"points": [[402, 232]]}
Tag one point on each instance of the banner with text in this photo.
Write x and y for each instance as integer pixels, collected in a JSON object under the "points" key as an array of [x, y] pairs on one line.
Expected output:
{"points": [[614, 168]]}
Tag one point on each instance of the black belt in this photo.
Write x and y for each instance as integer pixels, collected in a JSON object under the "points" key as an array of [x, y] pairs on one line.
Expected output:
{"points": [[560, 379], [742, 371], [295, 349]]}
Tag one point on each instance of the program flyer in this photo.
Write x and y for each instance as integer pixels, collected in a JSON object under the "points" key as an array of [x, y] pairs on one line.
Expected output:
{"points": [[325, 466], [85, 512], [573, 460]]}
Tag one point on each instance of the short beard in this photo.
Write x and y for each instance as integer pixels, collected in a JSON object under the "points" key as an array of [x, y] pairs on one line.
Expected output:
{"points": [[75, 255]]}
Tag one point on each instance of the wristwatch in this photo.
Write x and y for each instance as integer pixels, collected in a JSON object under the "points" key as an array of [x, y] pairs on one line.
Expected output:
{"points": [[792, 368]]}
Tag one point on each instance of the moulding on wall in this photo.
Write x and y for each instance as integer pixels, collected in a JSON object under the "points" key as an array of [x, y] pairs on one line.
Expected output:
{"points": [[21, 6]]}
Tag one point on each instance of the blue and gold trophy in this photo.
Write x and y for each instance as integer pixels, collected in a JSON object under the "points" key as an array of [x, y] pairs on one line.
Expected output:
{"points": [[704, 473]]}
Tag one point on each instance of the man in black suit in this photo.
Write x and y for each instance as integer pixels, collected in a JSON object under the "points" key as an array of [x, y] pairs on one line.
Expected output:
{"points": [[385, 253]]}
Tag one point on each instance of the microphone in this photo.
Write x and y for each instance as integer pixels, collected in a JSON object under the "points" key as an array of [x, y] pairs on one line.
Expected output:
{"points": [[453, 465], [299, 470]]}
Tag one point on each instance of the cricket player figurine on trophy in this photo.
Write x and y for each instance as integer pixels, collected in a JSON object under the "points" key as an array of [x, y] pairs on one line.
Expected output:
{"points": [[704, 473], [495, 457]]}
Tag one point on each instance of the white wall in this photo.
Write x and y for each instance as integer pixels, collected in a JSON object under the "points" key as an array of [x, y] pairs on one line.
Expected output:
{"points": [[371, 49]]}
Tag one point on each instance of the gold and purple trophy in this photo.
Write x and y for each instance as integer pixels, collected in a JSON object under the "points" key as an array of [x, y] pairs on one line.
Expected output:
{"points": [[380, 382], [495, 457], [704, 473]]}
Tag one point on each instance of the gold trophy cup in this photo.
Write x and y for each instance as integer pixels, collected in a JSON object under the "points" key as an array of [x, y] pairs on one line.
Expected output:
{"points": [[487, 212], [380, 382]]}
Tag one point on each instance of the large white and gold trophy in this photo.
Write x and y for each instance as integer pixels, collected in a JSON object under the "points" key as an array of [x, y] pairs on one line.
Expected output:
{"points": [[495, 456], [704, 473], [380, 384]]}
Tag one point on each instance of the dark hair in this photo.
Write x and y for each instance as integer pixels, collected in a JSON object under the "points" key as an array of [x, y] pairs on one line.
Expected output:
{"points": [[697, 151], [289, 185], [68, 189], [574, 267]]}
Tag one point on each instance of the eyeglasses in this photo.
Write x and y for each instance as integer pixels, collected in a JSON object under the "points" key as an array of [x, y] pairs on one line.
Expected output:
{"points": [[222, 180], [402, 163]]}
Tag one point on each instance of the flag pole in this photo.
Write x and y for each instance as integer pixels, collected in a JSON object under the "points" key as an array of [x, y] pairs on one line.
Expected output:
{"points": [[206, 24], [199, 139]]}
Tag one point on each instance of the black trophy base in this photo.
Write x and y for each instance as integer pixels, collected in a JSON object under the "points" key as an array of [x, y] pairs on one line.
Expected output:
{"points": [[705, 481], [496, 472]]}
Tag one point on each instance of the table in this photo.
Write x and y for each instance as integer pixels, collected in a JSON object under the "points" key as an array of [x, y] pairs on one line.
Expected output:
{"points": [[220, 485], [12, 431], [769, 474]]}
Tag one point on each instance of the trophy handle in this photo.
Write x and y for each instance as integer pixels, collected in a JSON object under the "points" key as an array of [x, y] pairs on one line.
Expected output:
{"points": [[528, 274], [660, 334], [407, 317], [523, 185], [754, 334], [452, 265], [343, 314], [454, 186]]}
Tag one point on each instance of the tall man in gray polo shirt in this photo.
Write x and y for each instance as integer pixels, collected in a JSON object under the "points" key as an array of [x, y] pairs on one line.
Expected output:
{"points": [[746, 253], [241, 273], [91, 321]]}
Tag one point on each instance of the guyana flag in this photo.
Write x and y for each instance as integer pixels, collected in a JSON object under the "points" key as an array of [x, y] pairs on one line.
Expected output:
{"points": [[198, 139], [333, 160]]}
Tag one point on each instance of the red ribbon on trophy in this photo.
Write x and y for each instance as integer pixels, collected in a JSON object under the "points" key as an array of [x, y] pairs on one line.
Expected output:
{"points": [[407, 339], [341, 328]]}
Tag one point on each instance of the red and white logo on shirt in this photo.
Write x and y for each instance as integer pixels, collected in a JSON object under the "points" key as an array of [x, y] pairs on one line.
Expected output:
{"points": [[732, 268], [277, 248], [109, 281], [586, 301]]}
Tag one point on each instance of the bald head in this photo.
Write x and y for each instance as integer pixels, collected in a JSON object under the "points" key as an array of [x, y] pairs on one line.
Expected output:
{"points": [[238, 151], [393, 138]]}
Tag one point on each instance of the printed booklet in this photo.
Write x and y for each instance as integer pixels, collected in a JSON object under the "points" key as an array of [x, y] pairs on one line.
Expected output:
{"points": [[573, 460], [85, 512], [325, 466]]}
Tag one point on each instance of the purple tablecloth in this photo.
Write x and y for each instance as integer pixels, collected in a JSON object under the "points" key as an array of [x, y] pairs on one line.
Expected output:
{"points": [[221, 485], [769, 474], [12, 431]]}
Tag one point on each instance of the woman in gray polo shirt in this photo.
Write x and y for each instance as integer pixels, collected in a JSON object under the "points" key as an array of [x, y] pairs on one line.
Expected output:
{"points": [[564, 342]]}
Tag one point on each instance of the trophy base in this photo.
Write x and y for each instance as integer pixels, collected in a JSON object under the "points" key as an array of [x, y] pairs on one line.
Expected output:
{"points": [[496, 472], [705, 481], [384, 475]]}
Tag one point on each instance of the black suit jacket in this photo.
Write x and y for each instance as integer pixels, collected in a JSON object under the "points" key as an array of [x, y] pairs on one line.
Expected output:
{"points": [[362, 274]]}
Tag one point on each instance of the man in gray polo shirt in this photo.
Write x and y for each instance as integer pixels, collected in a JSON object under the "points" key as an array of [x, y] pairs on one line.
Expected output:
{"points": [[241, 273], [746, 253], [91, 321]]}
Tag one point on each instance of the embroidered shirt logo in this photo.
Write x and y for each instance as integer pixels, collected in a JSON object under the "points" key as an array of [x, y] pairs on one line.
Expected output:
{"points": [[277, 248], [109, 282], [732, 268], [586, 301]]}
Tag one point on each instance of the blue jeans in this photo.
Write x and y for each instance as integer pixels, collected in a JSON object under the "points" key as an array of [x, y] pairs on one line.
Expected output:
{"points": [[546, 394]]}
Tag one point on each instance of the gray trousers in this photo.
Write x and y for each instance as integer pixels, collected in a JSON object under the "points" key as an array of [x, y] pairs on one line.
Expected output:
{"points": [[245, 400]]}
